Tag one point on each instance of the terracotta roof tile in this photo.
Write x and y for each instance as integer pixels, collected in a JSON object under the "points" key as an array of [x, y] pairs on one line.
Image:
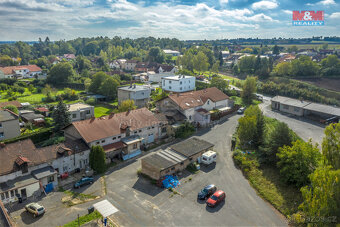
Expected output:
{"points": [[192, 99], [114, 146], [111, 125], [15, 103], [10, 69]]}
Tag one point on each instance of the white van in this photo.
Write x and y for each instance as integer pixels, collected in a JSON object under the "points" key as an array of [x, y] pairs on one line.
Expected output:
{"points": [[209, 157]]}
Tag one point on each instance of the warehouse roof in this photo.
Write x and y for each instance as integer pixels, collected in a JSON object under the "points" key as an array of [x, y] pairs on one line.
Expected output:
{"points": [[321, 108], [159, 161], [290, 101], [191, 146]]}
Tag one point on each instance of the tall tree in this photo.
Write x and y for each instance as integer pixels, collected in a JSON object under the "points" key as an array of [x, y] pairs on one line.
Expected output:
{"points": [[97, 159], [200, 62], [61, 115], [156, 54], [246, 130], [249, 88], [109, 88], [297, 162], [331, 145], [60, 73], [219, 83], [276, 50]]}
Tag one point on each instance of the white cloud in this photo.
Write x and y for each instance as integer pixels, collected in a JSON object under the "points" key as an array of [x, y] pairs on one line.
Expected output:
{"points": [[224, 2], [335, 15], [287, 11], [327, 2], [264, 5]]}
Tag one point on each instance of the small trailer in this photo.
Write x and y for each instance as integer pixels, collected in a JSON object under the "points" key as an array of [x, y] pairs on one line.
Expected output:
{"points": [[208, 157]]}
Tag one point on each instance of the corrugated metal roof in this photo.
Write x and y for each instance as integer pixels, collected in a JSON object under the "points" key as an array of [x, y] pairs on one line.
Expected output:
{"points": [[290, 101], [321, 108], [105, 208]]}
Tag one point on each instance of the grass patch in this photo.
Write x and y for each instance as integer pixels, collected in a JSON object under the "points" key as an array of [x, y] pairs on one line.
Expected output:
{"points": [[84, 219], [101, 110], [74, 198], [239, 101]]}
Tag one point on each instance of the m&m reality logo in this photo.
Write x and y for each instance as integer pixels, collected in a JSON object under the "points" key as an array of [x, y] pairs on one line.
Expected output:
{"points": [[308, 18]]}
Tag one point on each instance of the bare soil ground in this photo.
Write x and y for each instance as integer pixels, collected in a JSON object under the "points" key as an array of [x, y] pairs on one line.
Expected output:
{"points": [[327, 83]]}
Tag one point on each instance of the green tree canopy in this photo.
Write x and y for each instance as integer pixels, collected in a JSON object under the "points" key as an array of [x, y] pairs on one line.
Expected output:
{"points": [[156, 54], [12, 108], [249, 88], [61, 115], [61, 73], [126, 105], [200, 62], [97, 159], [331, 145], [296, 162], [219, 83], [109, 88]]}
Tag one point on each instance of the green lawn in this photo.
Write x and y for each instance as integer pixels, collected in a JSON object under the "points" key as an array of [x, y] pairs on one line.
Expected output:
{"points": [[238, 101], [101, 110], [84, 219]]}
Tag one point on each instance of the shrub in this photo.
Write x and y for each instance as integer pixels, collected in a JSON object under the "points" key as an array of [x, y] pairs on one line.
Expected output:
{"points": [[185, 130], [91, 101]]}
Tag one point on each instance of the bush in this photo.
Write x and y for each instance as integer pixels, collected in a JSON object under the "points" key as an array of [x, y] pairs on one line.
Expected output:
{"points": [[185, 130], [36, 137], [91, 101], [244, 161]]}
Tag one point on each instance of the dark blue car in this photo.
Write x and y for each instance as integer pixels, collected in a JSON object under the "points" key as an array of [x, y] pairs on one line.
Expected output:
{"points": [[83, 181]]}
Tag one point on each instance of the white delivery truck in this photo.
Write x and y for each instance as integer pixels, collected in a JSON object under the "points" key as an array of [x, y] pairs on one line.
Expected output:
{"points": [[208, 157]]}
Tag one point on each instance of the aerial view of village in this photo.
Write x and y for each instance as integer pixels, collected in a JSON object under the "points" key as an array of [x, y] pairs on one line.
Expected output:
{"points": [[127, 113]]}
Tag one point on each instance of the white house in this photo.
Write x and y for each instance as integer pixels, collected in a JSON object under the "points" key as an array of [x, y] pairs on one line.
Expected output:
{"points": [[178, 83], [119, 134], [130, 65], [80, 111], [162, 71], [196, 106], [20, 71], [140, 94], [27, 170], [172, 52]]}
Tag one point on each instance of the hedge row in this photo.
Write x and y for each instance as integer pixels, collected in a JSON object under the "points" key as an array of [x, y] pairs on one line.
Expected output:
{"points": [[36, 137]]}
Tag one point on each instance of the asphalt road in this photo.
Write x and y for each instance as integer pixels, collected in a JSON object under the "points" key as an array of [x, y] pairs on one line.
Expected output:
{"points": [[143, 204], [305, 128]]}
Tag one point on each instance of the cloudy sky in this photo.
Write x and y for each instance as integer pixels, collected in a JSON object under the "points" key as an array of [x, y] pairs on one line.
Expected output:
{"points": [[182, 19]]}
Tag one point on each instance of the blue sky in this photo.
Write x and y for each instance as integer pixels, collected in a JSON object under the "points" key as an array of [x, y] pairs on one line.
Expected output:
{"points": [[182, 19]]}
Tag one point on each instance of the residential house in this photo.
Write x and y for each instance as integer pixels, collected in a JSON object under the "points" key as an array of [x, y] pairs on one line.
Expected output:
{"points": [[162, 71], [174, 159], [179, 83], [114, 65], [225, 54], [173, 53], [130, 65], [196, 106], [20, 71], [15, 103], [286, 58], [120, 134], [9, 125], [80, 111], [140, 94], [31, 117], [27, 170], [141, 67], [68, 57]]}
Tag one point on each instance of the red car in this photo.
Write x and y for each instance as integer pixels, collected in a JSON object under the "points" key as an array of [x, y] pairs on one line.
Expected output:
{"points": [[216, 198]]}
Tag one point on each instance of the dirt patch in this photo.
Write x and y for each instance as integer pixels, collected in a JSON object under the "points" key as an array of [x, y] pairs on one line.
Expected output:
{"points": [[327, 83], [74, 198]]}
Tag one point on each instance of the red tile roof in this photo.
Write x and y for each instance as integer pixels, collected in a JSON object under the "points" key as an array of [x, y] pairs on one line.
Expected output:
{"points": [[111, 125], [42, 109], [192, 99], [69, 56], [114, 146], [10, 69], [17, 104], [14, 154]]}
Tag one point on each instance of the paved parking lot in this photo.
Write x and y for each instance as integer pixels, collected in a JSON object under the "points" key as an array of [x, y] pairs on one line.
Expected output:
{"points": [[305, 128], [142, 204]]}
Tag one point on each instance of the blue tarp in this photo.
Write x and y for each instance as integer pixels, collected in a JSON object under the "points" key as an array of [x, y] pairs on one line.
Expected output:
{"points": [[49, 188], [170, 181], [131, 155]]}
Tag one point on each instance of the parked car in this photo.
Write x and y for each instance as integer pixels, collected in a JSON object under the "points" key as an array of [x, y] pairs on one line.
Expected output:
{"points": [[207, 191], [241, 110], [216, 198], [83, 181], [35, 209]]}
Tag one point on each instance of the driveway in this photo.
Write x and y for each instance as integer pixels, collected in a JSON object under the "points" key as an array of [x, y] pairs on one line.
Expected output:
{"points": [[305, 128], [142, 204]]}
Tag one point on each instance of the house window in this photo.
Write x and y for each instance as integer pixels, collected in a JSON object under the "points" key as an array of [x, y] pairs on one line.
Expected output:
{"points": [[180, 82], [65, 169], [103, 141], [153, 126], [88, 111], [135, 132], [2, 135], [97, 142], [296, 109], [190, 159], [24, 168], [12, 193], [180, 88], [170, 82], [140, 130], [148, 128], [169, 87], [119, 137], [163, 130], [285, 107], [2, 196], [189, 117], [74, 115], [16, 191], [7, 195], [206, 117], [0, 125], [182, 163], [173, 168], [114, 138], [208, 102], [135, 146], [50, 179]]}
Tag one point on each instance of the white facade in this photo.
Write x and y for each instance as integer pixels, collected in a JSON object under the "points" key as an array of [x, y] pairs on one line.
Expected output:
{"points": [[179, 83], [172, 52], [130, 65], [80, 111], [72, 162]]}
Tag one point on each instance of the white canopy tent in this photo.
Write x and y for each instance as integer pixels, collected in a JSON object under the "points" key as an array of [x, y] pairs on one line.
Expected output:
{"points": [[105, 208]]}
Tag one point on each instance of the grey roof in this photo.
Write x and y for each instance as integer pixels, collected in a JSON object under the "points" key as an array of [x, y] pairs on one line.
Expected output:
{"points": [[31, 116], [17, 183], [176, 77], [321, 108], [43, 172], [290, 101], [135, 88], [159, 161], [191, 146], [7, 116]]}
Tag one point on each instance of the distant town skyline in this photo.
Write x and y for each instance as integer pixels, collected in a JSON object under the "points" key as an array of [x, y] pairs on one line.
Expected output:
{"points": [[27, 20]]}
